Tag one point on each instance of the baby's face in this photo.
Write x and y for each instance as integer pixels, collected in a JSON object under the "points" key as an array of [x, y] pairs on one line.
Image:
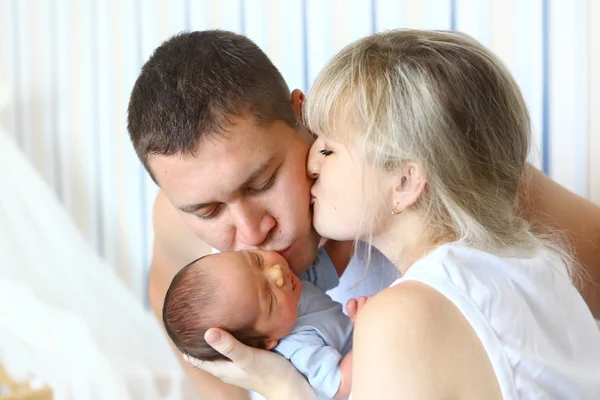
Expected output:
{"points": [[258, 286]]}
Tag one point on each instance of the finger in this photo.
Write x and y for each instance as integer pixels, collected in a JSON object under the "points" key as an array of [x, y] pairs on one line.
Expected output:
{"points": [[351, 307], [221, 369], [227, 345], [352, 310], [361, 302], [194, 362]]}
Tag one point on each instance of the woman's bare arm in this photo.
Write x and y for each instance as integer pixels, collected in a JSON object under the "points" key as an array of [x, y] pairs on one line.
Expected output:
{"points": [[547, 202]]}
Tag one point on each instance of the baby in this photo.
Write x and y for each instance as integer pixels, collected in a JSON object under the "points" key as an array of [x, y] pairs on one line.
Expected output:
{"points": [[257, 298]]}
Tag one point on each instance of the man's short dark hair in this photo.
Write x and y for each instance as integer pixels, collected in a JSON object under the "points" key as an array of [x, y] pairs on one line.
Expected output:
{"points": [[191, 86]]}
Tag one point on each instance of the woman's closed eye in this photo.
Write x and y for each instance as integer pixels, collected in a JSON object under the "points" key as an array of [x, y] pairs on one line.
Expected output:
{"points": [[326, 152]]}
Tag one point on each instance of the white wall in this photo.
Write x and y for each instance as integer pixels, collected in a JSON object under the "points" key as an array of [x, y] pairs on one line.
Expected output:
{"points": [[70, 66]]}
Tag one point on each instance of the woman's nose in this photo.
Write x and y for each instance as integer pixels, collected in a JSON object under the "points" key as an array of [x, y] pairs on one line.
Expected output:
{"points": [[312, 171], [313, 164]]}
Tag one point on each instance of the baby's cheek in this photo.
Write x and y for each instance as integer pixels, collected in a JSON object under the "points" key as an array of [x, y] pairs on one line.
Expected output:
{"points": [[292, 312]]}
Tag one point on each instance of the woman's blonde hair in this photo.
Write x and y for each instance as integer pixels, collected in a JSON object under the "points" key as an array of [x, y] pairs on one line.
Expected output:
{"points": [[443, 100]]}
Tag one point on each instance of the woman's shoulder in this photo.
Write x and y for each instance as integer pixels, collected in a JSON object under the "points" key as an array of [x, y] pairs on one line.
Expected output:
{"points": [[409, 302], [428, 335], [417, 314]]}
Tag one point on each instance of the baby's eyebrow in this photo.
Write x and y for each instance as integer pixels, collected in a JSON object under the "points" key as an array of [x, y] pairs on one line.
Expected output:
{"points": [[259, 259], [252, 257]]}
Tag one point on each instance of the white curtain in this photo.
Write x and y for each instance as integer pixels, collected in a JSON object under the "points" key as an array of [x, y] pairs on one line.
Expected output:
{"points": [[65, 317]]}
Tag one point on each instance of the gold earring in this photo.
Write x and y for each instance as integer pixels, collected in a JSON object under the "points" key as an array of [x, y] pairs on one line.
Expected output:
{"points": [[396, 211]]}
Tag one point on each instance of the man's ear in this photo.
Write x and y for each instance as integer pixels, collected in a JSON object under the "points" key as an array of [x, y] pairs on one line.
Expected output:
{"points": [[270, 344], [297, 103], [410, 183]]}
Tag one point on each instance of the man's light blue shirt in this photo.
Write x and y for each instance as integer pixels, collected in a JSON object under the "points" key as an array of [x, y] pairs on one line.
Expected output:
{"points": [[323, 333]]}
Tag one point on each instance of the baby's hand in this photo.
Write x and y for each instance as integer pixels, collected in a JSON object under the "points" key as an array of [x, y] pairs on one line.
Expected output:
{"points": [[354, 306]]}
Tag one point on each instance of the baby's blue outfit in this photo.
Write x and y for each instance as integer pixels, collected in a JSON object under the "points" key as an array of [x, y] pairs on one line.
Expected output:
{"points": [[323, 333]]}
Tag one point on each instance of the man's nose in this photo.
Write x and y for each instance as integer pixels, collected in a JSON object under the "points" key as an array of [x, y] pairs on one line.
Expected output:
{"points": [[253, 225]]}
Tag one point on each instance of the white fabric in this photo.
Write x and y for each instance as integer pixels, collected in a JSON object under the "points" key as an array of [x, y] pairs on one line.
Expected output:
{"points": [[64, 316], [538, 332]]}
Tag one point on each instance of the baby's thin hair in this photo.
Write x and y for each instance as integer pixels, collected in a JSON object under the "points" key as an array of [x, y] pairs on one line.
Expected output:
{"points": [[443, 100], [188, 312]]}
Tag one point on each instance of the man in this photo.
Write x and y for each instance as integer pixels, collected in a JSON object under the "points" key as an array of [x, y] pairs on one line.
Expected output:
{"points": [[212, 121]]}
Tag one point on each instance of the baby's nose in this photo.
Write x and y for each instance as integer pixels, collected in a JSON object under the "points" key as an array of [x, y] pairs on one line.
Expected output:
{"points": [[275, 275]]}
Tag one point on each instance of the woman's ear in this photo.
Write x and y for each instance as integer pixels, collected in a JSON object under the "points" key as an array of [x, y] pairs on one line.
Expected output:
{"points": [[410, 183], [297, 103], [270, 344]]}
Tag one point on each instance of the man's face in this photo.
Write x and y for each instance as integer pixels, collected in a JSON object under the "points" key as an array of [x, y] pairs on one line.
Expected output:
{"points": [[246, 189]]}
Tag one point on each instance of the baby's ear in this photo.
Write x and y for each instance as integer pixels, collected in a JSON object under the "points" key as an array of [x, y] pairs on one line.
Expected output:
{"points": [[270, 344]]}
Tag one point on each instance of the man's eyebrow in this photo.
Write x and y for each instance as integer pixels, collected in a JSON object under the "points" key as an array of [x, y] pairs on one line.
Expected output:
{"points": [[191, 208]]}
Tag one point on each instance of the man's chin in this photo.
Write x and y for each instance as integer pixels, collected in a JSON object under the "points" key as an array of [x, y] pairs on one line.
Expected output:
{"points": [[303, 256]]}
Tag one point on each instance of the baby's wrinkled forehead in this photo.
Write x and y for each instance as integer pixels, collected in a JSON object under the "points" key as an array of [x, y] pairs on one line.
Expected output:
{"points": [[235, 284], [226, 265]]}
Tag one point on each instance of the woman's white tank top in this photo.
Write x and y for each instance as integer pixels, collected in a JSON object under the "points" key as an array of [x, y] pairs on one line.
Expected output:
{"points": [[538, 332]]}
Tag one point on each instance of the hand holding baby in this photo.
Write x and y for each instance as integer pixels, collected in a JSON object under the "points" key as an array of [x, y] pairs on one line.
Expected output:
{"points": [[253, 369], [224, 310]]}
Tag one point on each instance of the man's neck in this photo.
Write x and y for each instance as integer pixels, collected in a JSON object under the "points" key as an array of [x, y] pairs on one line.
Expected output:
{"points": [[340, 254]]}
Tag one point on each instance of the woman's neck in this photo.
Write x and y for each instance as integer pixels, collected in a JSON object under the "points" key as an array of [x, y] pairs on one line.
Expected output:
{"points": [[405, 242]]}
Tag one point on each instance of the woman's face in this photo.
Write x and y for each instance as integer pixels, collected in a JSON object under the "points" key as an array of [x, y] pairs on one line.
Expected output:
{"points": [[342, 209]]}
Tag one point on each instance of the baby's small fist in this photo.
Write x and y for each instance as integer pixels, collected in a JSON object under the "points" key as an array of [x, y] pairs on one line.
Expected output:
{"points": [[353, 307]]}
